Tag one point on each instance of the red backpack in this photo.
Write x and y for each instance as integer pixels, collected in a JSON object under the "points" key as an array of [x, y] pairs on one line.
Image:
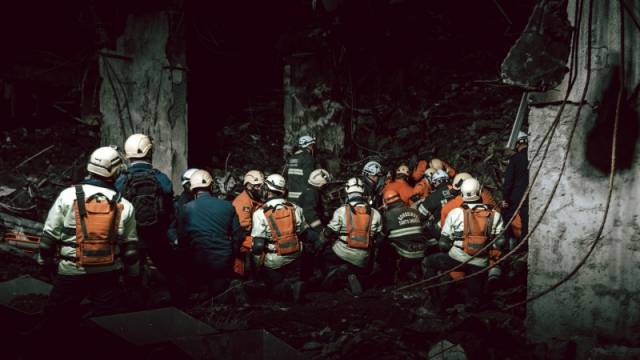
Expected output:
{"points": [[358, 222], [478, 223]]}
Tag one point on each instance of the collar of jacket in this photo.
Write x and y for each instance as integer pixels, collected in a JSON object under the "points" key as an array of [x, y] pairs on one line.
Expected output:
{"points": [[140, 165], [474, 203], [357, 200], [99, 183], [202, 194]]}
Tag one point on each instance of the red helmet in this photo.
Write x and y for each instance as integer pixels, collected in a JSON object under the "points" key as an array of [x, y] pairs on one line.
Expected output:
{"points": [[390, 197]]}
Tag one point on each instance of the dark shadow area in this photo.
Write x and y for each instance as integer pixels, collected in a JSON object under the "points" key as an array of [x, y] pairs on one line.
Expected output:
{"points": [[599, 138]]}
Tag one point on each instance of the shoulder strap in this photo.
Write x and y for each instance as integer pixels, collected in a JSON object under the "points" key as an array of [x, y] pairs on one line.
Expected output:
{"points": [[82, 210]]}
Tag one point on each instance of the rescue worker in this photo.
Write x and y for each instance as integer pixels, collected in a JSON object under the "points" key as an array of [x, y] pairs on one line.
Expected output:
{"points": [[439, 164], [423, 186], [516, 181], [278, 233], [246, 203], [212, 232], [300, 166], [92, 231], [401, 185], [151, 193], [466, 231], [352, 233], [373, 180], [457, 201], [431, 207], [179, 202], [314, 214], [403, 246]]}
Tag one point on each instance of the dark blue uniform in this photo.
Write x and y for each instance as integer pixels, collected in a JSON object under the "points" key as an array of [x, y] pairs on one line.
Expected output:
{"points": [[212, 234]]}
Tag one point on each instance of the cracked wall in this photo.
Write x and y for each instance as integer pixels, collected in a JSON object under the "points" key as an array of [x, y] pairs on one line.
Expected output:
{"points": [[144, 89], [603, 298]]}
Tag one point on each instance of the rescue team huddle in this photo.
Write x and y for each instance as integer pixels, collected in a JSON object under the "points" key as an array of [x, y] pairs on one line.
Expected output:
{"points": [[292, 234]]}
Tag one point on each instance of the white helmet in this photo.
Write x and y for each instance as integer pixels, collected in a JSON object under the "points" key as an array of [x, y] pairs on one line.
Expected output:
{"points": [[439, 177], [186, 176], [428, 174], [402, 170], [354, 185], [137, 146], [436, 164], [306, 140], [105, 161], [372, 168], [200, 179], [523, 137], [470, 190], [276, 183], [253, 177], [459, 178], [319, 178]]}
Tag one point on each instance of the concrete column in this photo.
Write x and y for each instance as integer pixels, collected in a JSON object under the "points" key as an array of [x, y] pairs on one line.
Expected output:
{"points": [[603, 298], [144, 90]]}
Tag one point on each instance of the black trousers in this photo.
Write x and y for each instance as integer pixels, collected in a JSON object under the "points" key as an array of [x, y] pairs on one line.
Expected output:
{"points": [[279, 281], [103, 289], [331, 261], [433, 264], [395, 267]]}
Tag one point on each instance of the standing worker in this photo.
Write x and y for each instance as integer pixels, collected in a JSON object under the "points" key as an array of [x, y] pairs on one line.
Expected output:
{"points": [[516, 181], [246, 203], [92, 230], [278, 232], [300, 166], [373, 181]]}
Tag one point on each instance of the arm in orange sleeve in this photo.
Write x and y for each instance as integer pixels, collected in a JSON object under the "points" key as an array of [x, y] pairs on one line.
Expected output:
{"points": [[418, 172], [487, 198]]}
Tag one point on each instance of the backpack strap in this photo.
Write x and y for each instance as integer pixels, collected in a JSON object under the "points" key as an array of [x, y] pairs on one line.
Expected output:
{"points": [[82, 210], [113, 203]]}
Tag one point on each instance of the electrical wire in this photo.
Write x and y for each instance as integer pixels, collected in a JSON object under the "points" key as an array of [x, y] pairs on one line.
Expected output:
{"points": [[548, 135]]}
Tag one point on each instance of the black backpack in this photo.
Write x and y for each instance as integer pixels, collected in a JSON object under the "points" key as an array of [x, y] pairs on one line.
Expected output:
{"points": [[143, 190]]}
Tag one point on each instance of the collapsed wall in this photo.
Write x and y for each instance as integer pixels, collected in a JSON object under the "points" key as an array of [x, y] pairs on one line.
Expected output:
{"points": [[602, 299]]}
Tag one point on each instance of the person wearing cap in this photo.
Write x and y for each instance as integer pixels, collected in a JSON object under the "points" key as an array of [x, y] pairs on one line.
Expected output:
{"points": [[212, 234], [246, 203], [300, 166], [516, 181]]}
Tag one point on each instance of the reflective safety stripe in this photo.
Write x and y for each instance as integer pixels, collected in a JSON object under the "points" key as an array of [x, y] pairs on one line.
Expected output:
{"points": [[294, 171], [404, 232], [294, 195], [315, 223]]}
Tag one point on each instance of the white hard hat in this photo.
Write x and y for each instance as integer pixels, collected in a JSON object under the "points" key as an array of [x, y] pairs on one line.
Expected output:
{"points": [[253, 177], [276, 183], [428, 174], [439, 177], [372, 168], [137, 146], [402, 170], [319, 178], [470, 190], [306, 140], [186, 176], [459, 178], [522, 135], [354, 185], [436, 164], [200, 179], [105, 161]]}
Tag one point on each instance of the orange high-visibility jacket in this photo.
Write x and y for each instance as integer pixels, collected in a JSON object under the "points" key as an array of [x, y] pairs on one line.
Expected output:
{"points": [[245, 206], [456, 202], [402, 188]]}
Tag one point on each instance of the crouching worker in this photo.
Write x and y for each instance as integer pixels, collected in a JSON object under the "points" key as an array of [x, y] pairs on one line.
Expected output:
{"points": [[466, 231], [91, 230], [402, 250], [212, 235], [278, 230], [352, 232]]}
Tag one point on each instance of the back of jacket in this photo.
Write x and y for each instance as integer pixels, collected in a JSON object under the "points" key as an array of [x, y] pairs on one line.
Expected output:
{"points": [[300, 166], [403, 229]]}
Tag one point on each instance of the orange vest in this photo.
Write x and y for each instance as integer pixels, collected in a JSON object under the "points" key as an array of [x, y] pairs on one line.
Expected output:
{"points": [[477, 229], [456, 202], [245, 207], [401, 187], [358, 224], [282, 224]]}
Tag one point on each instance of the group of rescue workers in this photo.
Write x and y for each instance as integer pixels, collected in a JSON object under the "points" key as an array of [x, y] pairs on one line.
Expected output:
{"points": [[291, 234]]}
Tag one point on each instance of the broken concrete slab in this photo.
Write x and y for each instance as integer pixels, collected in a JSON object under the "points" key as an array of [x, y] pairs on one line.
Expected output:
{"points": [[247, 345], [152, 326], [446, 350], [22, 301]]}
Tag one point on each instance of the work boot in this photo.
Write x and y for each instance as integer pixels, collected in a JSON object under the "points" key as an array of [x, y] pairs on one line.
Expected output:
{"points": [[354, 285]]}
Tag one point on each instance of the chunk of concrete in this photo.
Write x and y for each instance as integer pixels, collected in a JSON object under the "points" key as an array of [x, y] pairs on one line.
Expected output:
{"points": [[444, 350]]}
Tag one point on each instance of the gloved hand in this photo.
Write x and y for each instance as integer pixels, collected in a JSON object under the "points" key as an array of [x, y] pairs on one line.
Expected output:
{"points": [[445, 243], [259, 246], [495, 273], [414, 198]]}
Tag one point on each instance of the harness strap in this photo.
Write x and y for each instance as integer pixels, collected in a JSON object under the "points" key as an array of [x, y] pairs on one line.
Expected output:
{"points": [[82, 210]]}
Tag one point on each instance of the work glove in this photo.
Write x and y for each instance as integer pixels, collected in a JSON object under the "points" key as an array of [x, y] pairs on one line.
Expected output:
{"points": [[414, 198], [445, 243], [258, 246]]}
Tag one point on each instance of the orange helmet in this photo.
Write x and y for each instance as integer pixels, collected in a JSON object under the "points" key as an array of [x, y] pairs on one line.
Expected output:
{"points": [[390, 197]]}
